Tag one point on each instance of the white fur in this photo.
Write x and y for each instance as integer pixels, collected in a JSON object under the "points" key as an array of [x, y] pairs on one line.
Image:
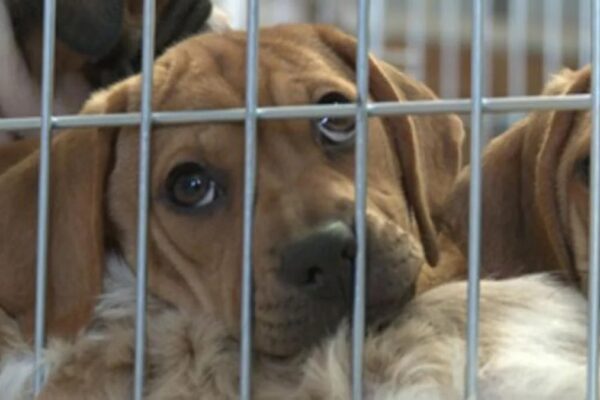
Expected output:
{"points": [[533, 346], [18, 366], [16, 376]]}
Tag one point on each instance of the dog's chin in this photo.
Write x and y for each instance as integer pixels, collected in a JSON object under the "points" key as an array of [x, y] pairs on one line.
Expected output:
{"points": [[291, 337]]}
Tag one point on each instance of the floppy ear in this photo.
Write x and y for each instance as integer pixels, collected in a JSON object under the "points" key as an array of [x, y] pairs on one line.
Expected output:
{"points": [[387, 84], [559, 129], [80, 161], [12, 153], [521, 230], [505, 242], [90, 27]]}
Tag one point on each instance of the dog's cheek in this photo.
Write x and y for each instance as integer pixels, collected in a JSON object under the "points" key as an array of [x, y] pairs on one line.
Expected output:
{"points": [[395, 256]]}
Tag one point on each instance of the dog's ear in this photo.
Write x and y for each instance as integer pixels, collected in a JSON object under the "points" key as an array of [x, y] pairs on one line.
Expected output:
{"points": [[90, 27], [439, 137], [520, 216], [504, 250], [558, 129], [404, 133], [80, 162]]}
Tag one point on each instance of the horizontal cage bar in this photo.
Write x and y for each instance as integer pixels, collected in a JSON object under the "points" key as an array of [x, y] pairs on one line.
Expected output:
{"points": [[461, 106]]}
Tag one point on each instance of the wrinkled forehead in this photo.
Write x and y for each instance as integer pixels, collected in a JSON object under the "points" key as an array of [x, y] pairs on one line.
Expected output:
{"points": [[209, 72]]}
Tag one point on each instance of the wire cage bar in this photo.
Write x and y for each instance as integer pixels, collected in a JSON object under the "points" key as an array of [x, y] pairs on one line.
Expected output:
{"points": [[251, 128], [360, 182], [44, 189], [594, 245], [476, 106], [474, 251], [144, 195]]}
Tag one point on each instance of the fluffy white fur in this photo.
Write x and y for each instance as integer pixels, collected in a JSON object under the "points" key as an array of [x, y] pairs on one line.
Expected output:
{"points": [[533, 346]]}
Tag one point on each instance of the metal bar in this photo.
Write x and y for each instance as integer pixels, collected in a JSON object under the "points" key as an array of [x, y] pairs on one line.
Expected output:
{"points": [[594, 246], [144, 195], [584, 32], [360, 184], [250, 164], [44, 190], [416, 40], [490, 105], [450, 31], [553, 26], [474, 251]]}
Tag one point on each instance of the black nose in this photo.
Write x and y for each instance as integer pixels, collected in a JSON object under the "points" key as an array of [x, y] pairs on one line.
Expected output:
{"points": [[321, 262]]}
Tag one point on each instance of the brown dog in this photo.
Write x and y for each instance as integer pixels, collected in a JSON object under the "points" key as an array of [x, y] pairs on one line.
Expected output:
{"points": [[304, 243], [535, 192], [98, 42]]}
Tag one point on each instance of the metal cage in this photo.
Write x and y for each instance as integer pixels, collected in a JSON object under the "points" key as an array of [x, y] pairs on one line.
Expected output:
{"points": [[477, 105]]}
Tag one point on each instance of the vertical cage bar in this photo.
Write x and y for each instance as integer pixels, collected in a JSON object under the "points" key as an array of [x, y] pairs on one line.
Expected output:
{"points": [[416, 37], [594, 246], [553, 27], [517, 47], [247, 306], [44, 189], [477, 74], [361, 159], [584, 32], [144, 196], [450, 31]]}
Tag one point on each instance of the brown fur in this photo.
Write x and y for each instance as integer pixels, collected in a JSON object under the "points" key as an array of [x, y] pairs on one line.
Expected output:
{"points": [[535, 197], [194, 256]]}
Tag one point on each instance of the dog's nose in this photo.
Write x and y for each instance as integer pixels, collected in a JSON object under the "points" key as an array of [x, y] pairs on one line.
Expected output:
{"points": [[321, 262]]}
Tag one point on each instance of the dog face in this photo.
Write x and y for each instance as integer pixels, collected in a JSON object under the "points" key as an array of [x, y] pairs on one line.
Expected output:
{"points": [[536, 193], [304, 245]]}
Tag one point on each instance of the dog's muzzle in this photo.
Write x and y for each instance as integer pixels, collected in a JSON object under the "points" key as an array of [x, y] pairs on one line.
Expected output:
{"points": [[321, 263], [312, 289]]}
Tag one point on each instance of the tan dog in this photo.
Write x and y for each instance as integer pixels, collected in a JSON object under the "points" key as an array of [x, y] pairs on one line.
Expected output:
{"points": [[303, 248], [535, 193], [98, 42]]}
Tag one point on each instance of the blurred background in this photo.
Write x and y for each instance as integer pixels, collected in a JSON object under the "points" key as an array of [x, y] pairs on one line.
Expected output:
{"points": [[526, 40]]}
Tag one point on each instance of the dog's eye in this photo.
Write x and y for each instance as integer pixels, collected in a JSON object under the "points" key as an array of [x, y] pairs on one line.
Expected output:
{"points": [[583, 169], [190, 186], [335, 131]]}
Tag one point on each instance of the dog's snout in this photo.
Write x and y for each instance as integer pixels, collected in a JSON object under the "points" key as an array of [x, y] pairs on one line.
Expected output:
{"points": [[321, 262]]}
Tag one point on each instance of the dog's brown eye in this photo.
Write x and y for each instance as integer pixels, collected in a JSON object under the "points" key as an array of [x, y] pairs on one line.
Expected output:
{"points": [[583, 169], [190, 186], [335, 131]]}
